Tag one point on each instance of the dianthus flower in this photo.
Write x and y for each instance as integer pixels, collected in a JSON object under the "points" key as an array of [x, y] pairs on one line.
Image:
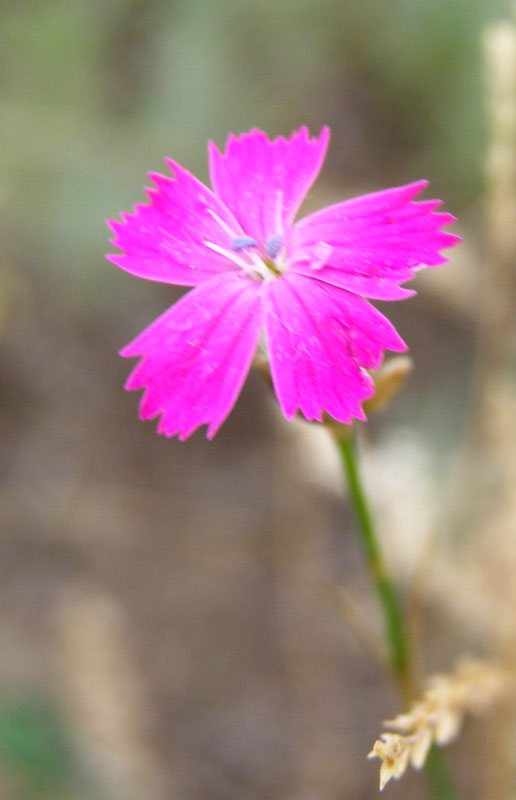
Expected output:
{"points": [[254, 270]]}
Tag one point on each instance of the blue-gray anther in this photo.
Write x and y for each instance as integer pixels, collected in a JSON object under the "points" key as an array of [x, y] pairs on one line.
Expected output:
{"points": [[241, 242], [273, 246]]}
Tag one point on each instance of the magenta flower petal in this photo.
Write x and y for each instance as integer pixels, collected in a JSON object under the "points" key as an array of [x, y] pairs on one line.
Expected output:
{"points": [[253, 268], [320, 337], [196, 356], [264, 182], [165, 240], [373, 243]]}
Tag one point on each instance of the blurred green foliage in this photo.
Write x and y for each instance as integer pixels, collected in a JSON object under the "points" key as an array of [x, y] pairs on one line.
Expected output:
{"points": [[35, 752], [93, 94]]}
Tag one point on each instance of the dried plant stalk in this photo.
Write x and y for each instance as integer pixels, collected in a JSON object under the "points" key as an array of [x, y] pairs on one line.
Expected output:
{"points": [[104, 698], [474, 686]]}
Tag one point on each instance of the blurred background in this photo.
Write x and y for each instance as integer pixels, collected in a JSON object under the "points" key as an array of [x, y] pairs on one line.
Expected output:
{"points": [[165, 629]]}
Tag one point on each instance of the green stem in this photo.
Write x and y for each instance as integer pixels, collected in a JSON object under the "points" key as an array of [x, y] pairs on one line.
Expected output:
{"points": [[391, 607], [438, 775]]}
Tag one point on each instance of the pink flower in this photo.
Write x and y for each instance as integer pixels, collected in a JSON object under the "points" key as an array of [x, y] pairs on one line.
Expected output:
{"points": [[254, 270]]}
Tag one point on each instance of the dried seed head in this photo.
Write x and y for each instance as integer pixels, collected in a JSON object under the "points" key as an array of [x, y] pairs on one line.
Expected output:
{"points": [[474, 686]]}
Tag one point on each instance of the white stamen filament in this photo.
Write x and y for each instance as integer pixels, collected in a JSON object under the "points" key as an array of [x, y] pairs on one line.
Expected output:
{"points": [[279, 213], [222, 224], [256, 267], [260, 267]]}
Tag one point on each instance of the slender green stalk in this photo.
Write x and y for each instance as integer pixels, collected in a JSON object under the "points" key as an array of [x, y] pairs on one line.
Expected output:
{"points": [[397, 640], [438, 775]]}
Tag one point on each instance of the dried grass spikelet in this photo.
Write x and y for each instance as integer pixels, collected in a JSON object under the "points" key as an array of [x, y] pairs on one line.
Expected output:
{"points": [[473, 687]]}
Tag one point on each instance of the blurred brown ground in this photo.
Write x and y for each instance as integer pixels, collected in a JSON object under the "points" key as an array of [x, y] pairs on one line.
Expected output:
{"points": [[167, 596]]}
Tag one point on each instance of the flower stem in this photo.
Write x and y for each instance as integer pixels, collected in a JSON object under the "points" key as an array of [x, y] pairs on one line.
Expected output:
{"points": [[437, 772], [438, 775], [391, 607]]}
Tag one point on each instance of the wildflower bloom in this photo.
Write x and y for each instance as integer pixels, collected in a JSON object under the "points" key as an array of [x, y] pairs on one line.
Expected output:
{"points": [[253, 269]]}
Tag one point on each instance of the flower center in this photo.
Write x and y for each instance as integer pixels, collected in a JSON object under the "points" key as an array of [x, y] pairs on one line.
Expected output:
{"points": [[260, 263], [270, 255]]}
